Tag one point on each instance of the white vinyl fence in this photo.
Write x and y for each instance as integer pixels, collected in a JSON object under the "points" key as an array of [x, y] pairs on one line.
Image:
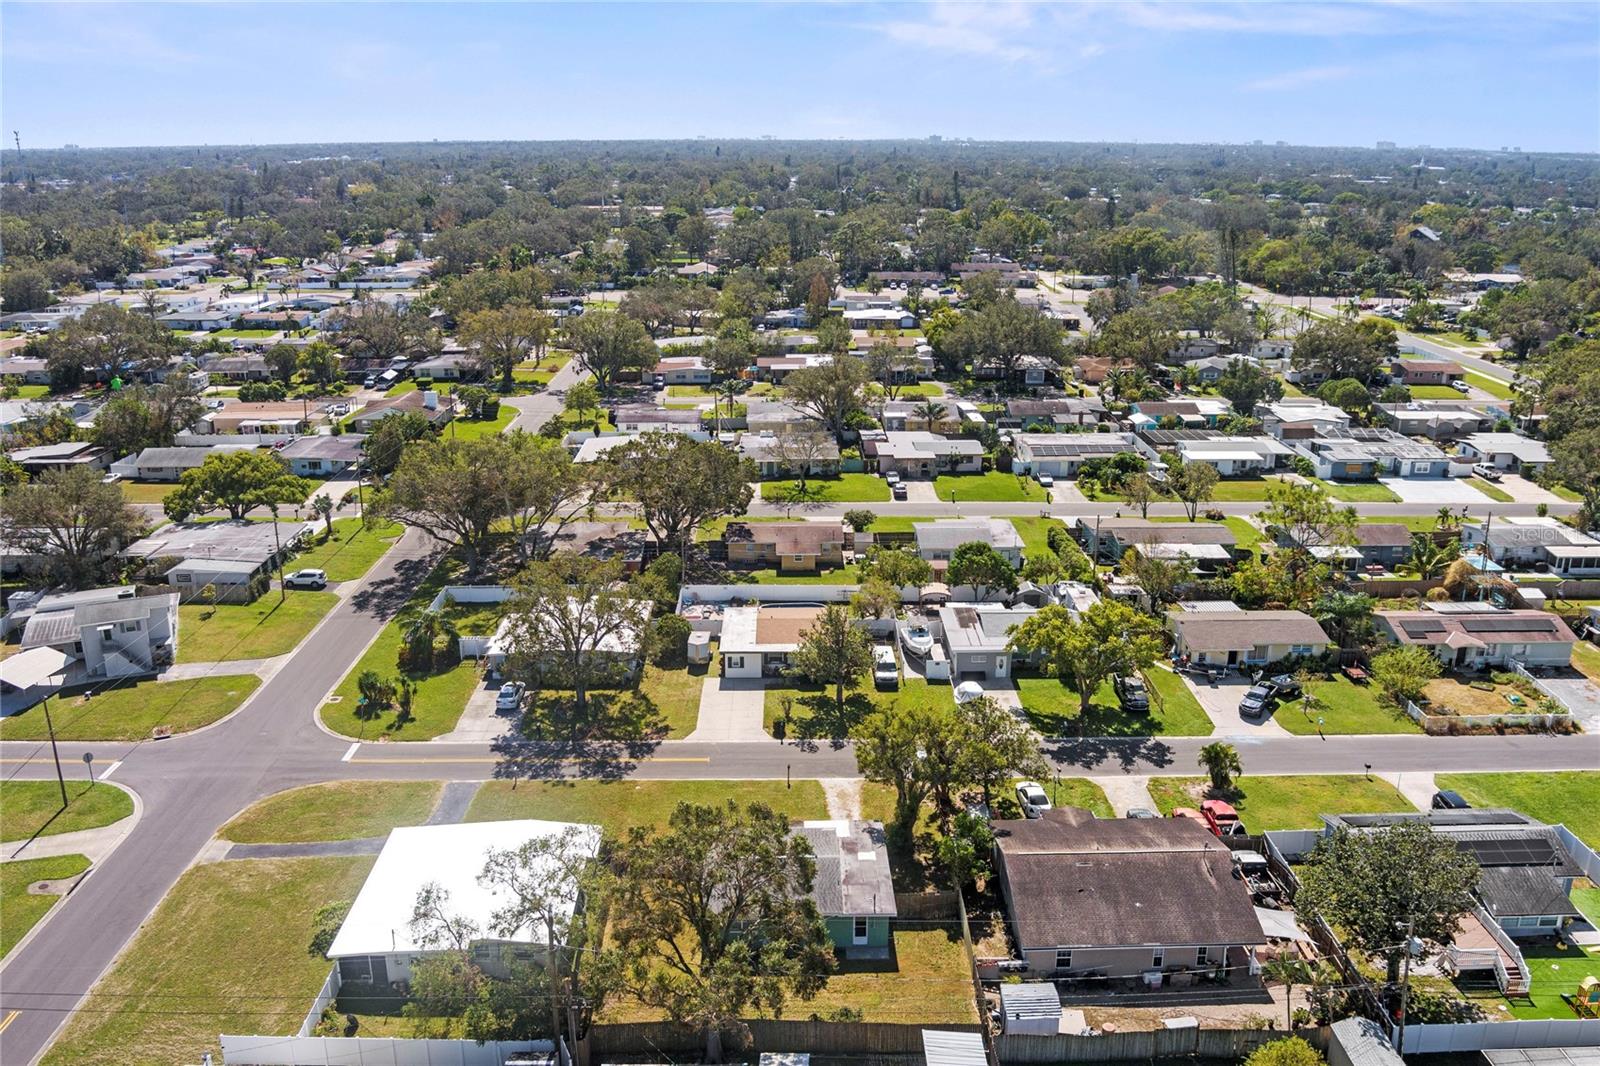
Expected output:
{"points": [[370, 1051], [1479, 1036]]}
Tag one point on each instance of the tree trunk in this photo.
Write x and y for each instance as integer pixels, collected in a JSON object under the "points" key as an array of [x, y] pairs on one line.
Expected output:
{"points": [[1392, 962], [838, 698], [713, 1044]]}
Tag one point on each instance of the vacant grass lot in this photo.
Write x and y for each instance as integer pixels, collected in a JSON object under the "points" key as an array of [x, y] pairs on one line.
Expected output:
{"points": [[1035, 533], [256, 630], [473, 428], [146, 491], [20, 910], [1500, 390], [1434, 392], [1358, 491], [814, 714], [993, 487], [1571, 799], [1290, 802], [1346, 708], [1052, 706], [617, 806], [352, 550], [130, 712], [336, 810], [262, 909], [1494, 492], [34, 807], [1416, 523], [675, 695], [846, 488]]}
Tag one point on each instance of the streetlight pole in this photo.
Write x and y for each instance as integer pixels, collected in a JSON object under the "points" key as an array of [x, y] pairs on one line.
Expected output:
{"points": [[1405, 985], [277, 545]]}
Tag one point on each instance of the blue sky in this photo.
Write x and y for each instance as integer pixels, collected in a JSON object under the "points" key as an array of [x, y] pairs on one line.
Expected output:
{"points": [[1444, 74]]}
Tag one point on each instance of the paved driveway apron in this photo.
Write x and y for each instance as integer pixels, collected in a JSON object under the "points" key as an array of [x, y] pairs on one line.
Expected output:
{"points": [[1221, 704]]}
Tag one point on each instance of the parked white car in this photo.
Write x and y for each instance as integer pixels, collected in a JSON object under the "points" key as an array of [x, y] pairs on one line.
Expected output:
{"points": [[306, 579], [885, 670], [509, 699], [1031, 797]]}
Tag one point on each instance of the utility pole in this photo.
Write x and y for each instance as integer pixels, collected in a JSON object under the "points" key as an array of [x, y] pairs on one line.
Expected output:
{"points": [[1405, 985], [54, 751], [277, 546]]}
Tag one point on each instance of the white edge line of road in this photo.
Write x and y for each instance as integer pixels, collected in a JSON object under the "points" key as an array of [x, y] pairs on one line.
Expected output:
{"points": [[351, 751], [132, 820]]}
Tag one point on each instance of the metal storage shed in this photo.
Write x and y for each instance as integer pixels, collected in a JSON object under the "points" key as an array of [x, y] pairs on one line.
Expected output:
{"points": [[942, 1047], [1032, 1009]]}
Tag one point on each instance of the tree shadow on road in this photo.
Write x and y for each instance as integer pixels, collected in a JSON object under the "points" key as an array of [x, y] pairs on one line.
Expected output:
{"points": [[1128, 753]]}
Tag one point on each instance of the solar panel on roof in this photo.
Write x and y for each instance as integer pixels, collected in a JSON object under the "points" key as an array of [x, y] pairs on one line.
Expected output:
{"points": [[1419, 630], [1507, 625]]}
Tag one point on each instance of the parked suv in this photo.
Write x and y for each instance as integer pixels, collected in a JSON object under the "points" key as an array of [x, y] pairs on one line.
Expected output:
{"points": [[1131, 694], [885, 671], [306, 579], [509, 699]]}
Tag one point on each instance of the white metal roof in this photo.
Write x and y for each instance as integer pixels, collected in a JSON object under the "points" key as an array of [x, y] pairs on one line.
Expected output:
{"points": [[28, 668], [452, 856]]}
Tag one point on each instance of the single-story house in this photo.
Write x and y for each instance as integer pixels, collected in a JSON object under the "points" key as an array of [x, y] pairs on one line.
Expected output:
{"points": [[1063, 454], [435, 408], [1272, 349], [880, 318], [285, 417], [642, 418], [247, 548], [199, 319], [459, 365], [169, 464], [1191, 348], [375, 945], [1425, 372], [922, 455], [1199, 412], [275, 320], [938, 541], [977, 639], [682, 370], [22, 370], [1300, 417], [1482, 638], [322, 455], [1364, 454], [247, 366], [62, 456], [1109, 539], [1234, 638], [757, 641], [853, 889], [113, 632], [1439, 419], [1506, 451], [1072, 412], [1212, 367], [594, 449], [1144, 898], [619, 647], [765, 450], [787, 546], [1534, 543], [1525, 871], [1235, 456], [902, 415], [1385, 544]]}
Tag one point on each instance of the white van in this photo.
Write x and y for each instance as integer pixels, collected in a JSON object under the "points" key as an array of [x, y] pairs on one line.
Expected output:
{"points": [[885, 671]]}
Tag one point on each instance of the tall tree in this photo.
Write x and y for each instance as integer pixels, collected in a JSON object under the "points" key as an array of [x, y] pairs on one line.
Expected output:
{"points": [[106, 342], [141, 417], [501, 339], [898, 566], [976, 563], [1221, 764], [283, 360], [1308, 518], [1390, 889], [833, 651], [1109, 638], [450, 488], [831, 393], [70, 524], [1194, 483], [545, 490], [319, 362], [686, 901], [607, 345], [236, 481], [1245, 383], [679, 483], [1346, 348]]}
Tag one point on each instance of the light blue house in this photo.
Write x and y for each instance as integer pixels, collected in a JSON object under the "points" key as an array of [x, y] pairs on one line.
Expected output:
{"points": [[853, 888]]}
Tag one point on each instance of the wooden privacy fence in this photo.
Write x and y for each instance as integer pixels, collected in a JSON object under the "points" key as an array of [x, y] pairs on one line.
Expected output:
{"points": [[1232, 1044], [927, 906], [817, 1038]]}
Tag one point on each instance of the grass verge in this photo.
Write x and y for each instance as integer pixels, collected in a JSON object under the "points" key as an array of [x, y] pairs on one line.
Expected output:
{"points": [[21, 909], [256, 630], [131, 711], [1494, 492], [618, 806], [335, 810], [846, 488], [993, 487], [1054, 709], [34, 807], [1346, 708], [1290, 802], [351, 551], [1359, 491]]}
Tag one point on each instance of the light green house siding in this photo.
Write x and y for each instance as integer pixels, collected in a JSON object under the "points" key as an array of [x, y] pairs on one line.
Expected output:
{"points": [[842, 932]]}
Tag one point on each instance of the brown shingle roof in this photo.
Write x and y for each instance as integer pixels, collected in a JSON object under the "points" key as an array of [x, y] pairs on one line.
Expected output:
{"points": [[788, 538], [783, 625], [1382, 534]]}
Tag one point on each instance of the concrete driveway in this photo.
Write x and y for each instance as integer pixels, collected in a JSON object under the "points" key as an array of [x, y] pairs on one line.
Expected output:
{"points": [[731, 711], [1221, 704], [1434, 490], [1522, 490], [479, 723], [920, 492]]}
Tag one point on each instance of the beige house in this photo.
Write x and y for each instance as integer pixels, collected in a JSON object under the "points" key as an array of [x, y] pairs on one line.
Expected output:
{"points": [[1234, 638], [791, 546]]}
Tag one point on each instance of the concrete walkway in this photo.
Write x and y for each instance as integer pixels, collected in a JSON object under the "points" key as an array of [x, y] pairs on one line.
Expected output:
{"points": [[1127, 792], [1417, 787], [193, 671], [453, 803], [94, 844], [313, 850], [731, 711]]}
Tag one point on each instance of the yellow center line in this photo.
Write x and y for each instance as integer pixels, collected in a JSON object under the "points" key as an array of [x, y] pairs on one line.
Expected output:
{"points": [[477, 759], [8, 1020]]}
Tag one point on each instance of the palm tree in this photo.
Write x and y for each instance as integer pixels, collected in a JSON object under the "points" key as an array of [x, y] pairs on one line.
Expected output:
{"points": [[1342, 613], [322, 505], [931, 412], [1447, 520], [1288, 971], [1429, 557], [422, 633], [1221, 763]]}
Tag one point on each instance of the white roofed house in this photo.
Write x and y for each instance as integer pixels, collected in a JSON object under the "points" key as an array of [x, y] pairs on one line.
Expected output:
{"points": [[1506, 451], [938, 541], [1527, 542], [977, 639], [322, 455], [378, 944], [642, 418], [1236, 456], [112, 632], [1299, 417], [923, 455], [1062, 454]]}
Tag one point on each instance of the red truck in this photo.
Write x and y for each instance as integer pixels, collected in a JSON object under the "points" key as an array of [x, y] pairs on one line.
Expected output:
{"points": [[1222, 819]]}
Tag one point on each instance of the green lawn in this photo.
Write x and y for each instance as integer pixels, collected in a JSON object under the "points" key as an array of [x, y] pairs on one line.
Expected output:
{"points": [[1586, 660], [813, 713], [1035, 533], [1500, 390], [32, 392], [1416, 523], [906, 523], [147, 491], [693, 392], [256, 630], [1052, 706], [1434, 392], [1564, 492], [714, 529], [1572, 799], [1241, 490], [262, 909], [336, 810], [1288, 802], [1358, 491], [846, 488], [1078, 792], [617, 806], [1347, 708], [400, 388], [131, 711], [1494, 492], [675, 695], [929, 983], [1245, 534], [246, 334], [993, 487], [20, 910], [1553, 972], [844, 575], [34, 807], [473, 428], [441, 695], [352, 550], [922, 390]]}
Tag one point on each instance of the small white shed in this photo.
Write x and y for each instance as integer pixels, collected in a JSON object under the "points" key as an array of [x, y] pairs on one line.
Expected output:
{"points": [[1031, 1009]]}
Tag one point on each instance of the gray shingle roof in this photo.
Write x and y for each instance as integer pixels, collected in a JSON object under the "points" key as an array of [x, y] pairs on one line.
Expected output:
{"points": [[852, 868]]}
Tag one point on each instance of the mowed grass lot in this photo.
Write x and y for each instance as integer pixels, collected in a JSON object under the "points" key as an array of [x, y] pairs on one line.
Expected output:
{"points": [[34, 807], [993, 487], [1494, 492], [473, 428], [618, 806], [814, 713], [1434, 392], [1572, 798], [1358, 491], [351, 551], [20, 910], [675, 695], [130, 712], [1035, 533], [1053, 708], [264, 983], [147, 491], [846, 488], [1500, 390], [256, 630], [1290, 802], [1345, 708], [336, 810]]}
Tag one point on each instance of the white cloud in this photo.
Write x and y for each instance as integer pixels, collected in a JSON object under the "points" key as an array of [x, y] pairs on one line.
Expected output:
{"points": [[1297, 79], [995, 30]]}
